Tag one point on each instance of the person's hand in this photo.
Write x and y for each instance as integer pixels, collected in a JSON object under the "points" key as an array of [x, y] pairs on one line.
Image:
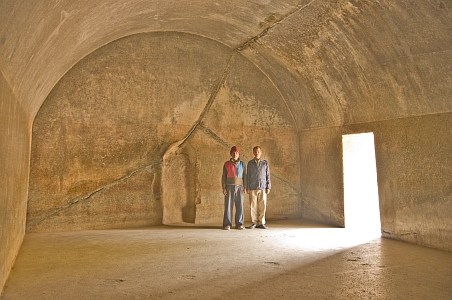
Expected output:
{"points": [[245, 191], [267, 191], [225, 192]]}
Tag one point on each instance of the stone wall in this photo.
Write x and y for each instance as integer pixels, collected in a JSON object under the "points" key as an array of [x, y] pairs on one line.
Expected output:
{"points": [[137, 132], [414, 166], [14, 168], [414, 159], [122, 123], [322, 186]]}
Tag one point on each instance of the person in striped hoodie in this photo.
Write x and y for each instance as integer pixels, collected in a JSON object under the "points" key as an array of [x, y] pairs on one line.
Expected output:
{"points": [[233, 182]]}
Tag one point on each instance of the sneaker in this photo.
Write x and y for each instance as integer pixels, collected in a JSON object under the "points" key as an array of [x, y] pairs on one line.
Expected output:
{"points": [[241, 227], [251, 226], [262, 226], [227, 227]]}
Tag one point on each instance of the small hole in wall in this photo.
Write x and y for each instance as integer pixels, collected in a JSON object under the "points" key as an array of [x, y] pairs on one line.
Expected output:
{"points": [[361, 201]]}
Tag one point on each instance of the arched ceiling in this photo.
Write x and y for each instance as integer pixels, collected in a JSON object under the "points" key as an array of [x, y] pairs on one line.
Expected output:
{"points": [[334, 62]]}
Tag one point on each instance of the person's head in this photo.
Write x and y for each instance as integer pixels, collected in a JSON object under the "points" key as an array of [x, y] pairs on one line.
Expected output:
{"points": [[257, 152], [235, 152]]}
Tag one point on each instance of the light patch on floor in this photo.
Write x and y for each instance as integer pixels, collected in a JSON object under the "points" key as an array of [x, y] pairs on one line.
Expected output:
{"points": [[292, 259]]}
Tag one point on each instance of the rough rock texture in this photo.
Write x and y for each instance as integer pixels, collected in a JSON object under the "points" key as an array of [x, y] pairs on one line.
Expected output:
{"points": [[415, 179], [323, 189], [413, 157], [14, 166], [136, 108], [130, 105]]}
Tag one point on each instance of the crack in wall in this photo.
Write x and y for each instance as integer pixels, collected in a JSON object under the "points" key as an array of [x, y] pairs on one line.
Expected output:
{"points": [[213, 135], [87, 196], [221, 141], [254, 39], [215, 92], [408, 233], [267, 29], [212, 97], [400, 235], [198, 124]]}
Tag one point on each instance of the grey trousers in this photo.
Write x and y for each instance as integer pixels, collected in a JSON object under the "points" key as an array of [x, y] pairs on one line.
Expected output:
{"points": [[233, 197]]}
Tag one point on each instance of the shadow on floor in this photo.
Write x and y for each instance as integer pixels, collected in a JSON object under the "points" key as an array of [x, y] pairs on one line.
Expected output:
{"points": [[293, 259]]}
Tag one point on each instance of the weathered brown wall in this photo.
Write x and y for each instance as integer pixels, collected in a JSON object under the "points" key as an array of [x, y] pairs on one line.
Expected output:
{"points": [[414, 159], [414, 167], [322, 180], [111, 119], [332, 63], [105, 150], [14, 168], [349, 62], [249, 110]]}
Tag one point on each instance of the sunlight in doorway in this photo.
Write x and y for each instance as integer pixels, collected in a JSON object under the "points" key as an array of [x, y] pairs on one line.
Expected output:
{"points": [[361, 202]]}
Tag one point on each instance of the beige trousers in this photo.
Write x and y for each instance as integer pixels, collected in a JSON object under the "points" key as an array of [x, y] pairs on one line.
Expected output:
{"points": [[258, 203]]}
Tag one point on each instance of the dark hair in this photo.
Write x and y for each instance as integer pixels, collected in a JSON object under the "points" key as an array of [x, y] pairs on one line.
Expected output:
{"points": [[257, 147]]}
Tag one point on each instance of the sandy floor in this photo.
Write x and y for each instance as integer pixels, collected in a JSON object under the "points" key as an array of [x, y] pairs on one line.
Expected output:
{"points": [[292, 259]]}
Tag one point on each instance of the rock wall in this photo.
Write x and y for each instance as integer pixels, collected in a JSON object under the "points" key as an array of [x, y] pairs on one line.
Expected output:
{"points": [[415, 179], [137, 132], [312, 67], [322, 183], [14, 168], [414, 159]]}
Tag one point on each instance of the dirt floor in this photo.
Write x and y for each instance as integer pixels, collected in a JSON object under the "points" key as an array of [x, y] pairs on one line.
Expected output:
{"points": [[292, 259]]}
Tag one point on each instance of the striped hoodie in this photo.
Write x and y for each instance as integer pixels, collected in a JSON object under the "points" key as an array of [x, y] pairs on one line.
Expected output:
{"points": [[234, 173]]}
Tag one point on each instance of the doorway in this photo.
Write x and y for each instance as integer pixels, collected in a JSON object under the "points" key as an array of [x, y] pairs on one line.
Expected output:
{"points": [[361, 201]]}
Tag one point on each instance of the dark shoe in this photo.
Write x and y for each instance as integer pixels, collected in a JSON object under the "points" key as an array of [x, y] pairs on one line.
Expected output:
{"points": [[262, 226], [251, 226]]}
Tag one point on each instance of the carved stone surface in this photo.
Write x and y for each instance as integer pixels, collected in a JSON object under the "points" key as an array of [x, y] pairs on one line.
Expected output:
{"points": [[121, 113], [164, 104]]}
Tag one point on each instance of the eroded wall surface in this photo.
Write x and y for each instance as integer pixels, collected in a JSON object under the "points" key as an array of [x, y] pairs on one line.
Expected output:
{"points": [[413, 157], [322, 176], [136, 134], [14, 167], [321, 65], [414, 168]]}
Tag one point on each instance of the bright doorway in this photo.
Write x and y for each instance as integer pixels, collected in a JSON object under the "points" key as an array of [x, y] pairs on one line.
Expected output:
{"points": [[361, 202]]}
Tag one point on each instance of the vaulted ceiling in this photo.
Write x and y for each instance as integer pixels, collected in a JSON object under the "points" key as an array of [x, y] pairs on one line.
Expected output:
{"points": [[333, 62]]}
